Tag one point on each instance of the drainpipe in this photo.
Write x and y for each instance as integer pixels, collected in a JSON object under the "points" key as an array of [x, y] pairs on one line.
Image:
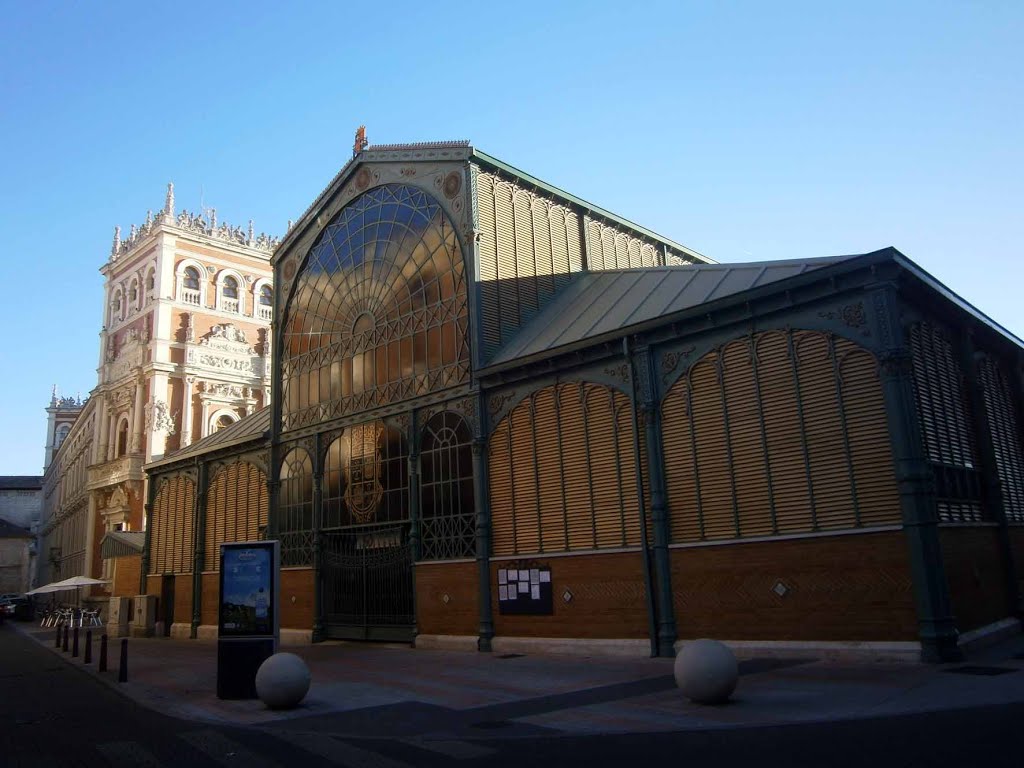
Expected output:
{"points": [[652, 620]]}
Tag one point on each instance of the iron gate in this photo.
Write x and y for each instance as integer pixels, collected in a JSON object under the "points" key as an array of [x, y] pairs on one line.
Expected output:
{"points": [[368, 588]]}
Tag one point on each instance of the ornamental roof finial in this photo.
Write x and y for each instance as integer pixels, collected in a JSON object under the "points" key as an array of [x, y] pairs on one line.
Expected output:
{"points": [[361, 143], [249, 241], [117, 242], [53, 395], [169, 204]]}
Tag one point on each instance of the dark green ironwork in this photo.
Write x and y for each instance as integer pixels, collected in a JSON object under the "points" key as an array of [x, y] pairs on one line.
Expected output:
{"points": [[199, 545], [649, 587], [318, 505], [485, 632], [936, 626], [412, 439], [651, 417]]}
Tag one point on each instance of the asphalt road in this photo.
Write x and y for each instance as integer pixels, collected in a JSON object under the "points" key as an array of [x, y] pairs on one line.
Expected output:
{"points": [[54, 714]]}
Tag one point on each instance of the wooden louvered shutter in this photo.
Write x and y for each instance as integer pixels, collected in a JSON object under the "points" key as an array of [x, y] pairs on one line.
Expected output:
{"points": [[783, 433], [680, 463], [746, 436], [524, 477], [823, 432], [499, 474], [577, 477], [548, 483], [1004, 432], [600, 437], [629, 525], [712, 449], [874, 477], [157, 524]]}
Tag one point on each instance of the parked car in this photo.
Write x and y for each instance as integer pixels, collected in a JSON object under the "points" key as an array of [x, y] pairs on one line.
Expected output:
{"points": [[18, 607]]}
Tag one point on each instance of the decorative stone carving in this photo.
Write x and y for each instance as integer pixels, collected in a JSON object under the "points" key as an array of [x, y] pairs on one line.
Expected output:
{"points": [[227, 331], [158, 416], [191, 222], [851, 315], [671, 360], [620, 372]]}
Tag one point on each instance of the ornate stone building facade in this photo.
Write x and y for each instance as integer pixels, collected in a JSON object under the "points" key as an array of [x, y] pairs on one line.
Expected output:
{"points": [[184, 352]]}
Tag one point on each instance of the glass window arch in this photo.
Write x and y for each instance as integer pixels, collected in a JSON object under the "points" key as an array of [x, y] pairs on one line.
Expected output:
{"points": [[378, 313], [190, 279], [295, 523], [447, 508]]}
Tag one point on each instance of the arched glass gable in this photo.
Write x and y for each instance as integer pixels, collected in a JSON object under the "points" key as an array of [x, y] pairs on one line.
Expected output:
{"points": [[378, 314]]}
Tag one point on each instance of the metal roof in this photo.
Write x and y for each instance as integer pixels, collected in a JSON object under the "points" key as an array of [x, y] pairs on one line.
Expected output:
{"points": [[12, 531], [122, 544], [600, 303], [252, 427], [20, 482]]}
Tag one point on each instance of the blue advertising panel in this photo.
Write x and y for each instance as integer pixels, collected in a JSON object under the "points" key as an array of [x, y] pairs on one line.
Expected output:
{"points": [[247, 620], [248, 589]]}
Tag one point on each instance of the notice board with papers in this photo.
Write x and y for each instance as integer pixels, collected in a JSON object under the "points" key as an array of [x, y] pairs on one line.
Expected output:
{"points": [[525, 590]]}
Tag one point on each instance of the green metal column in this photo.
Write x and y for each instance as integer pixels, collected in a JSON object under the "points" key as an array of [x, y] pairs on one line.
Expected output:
{"points": [[483, 528], [936, 626], [199, 546], [413, 442], [992, 492], [650, 417], [317, 524]]}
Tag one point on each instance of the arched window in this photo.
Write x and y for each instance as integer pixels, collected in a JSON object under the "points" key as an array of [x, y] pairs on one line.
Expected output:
{"points": [[190, 286], [378, 313], [62, 433], [151, 279], [133, 294], [122, 438], [229, 294], [367, 477], [116, 307], [266, 296], [225, 420], [295, 526], [448, 528]]}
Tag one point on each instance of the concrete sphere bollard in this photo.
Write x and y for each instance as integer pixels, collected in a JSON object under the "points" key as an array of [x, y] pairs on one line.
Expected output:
{"points": [[282, 681], [706, 672]]}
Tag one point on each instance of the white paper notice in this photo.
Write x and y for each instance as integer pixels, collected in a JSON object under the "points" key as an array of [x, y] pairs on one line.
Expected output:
{"points": [[511, 591], [545, 576], [534, 576], [503, 592], [524, 587], [535, 591], [502, 576]]}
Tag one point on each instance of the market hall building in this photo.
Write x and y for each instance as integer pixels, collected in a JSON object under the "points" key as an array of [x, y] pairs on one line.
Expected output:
{"points": [[505, 418]]}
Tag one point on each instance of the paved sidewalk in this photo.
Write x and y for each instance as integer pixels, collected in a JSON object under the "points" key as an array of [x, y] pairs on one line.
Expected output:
{"points": [[367, 690]]}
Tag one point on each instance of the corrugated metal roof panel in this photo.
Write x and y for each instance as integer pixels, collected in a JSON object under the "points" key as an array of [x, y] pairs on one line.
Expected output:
{"points": [[250, 428], [603, 302]]}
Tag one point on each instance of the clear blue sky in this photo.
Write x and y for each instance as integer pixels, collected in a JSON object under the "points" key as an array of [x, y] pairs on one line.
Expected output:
{"points": [[744, 130]]}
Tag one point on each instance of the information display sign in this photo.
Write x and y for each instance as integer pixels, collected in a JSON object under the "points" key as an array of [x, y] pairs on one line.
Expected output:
{"points": [[247, 614], [247, 604]]}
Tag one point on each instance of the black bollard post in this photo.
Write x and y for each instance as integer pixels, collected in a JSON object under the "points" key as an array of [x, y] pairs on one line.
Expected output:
{"points": [[64, 643], [74, 643], [56, 643], [103, 653], [88, 647], [122, 671]]}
